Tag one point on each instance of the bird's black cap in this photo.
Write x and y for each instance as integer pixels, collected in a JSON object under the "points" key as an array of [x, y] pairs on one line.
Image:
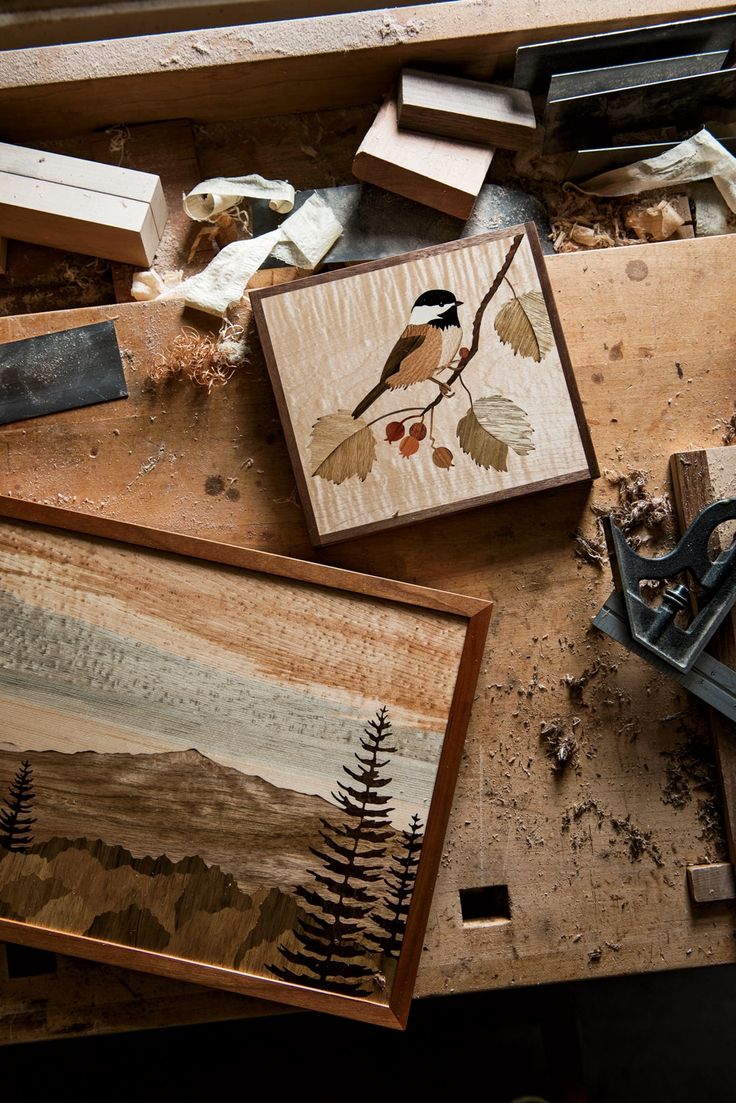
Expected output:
{"points": [[437, 297]]}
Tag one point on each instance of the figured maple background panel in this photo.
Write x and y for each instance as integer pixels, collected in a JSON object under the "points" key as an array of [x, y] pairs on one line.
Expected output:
{"points": [[330, 337], [185, 728]]}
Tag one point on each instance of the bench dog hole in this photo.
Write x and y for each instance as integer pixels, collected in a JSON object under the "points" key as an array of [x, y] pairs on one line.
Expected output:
{"points": [[485, 905]]}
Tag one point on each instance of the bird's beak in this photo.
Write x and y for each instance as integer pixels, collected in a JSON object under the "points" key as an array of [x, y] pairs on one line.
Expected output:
{"points": [[459, 302]]}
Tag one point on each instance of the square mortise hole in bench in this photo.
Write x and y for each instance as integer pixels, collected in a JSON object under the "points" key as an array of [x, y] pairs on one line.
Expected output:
{"points": [[485, 906]]}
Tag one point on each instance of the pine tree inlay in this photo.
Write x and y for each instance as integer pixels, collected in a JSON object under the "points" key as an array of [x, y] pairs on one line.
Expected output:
{"points": [[332, 935], [400, 883], [15, 818]]}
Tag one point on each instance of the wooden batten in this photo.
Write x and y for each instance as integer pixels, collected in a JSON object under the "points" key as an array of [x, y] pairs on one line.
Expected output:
{"points": [[280, 68]]}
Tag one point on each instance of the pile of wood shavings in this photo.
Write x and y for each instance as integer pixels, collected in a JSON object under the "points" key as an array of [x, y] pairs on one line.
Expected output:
{"points": [[640, 516], [637, 509], [201, 358], [581, 221]]}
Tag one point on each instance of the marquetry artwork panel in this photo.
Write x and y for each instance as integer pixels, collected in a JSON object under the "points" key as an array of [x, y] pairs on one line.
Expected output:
{"points": [[224, 772], [423, 384]]}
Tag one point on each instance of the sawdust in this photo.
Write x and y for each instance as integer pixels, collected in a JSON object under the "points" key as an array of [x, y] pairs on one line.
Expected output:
{"points": [[201, 358], [638, 842], [642, 517], [710, 815], [689, 768]]}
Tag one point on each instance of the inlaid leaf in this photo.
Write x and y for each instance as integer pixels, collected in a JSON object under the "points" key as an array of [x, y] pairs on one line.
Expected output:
{"points": [[342, 446], [503, 419], [524, 324], [492, 426]]}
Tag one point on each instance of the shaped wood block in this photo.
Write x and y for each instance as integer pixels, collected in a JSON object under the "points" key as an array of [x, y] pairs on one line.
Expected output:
{"points": [[466, 109], [440, 172], [423, 384], [83, 206]]}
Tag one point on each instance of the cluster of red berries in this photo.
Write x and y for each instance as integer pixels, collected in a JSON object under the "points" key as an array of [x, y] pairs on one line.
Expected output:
{"points": [[441, 457]]}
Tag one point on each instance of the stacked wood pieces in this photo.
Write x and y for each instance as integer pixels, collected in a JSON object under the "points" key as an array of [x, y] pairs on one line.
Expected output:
{"points": [[466, 109], [439, 172], [86, 207]]}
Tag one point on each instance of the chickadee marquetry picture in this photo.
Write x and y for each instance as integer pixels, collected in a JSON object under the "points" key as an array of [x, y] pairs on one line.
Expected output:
{"points": [[423, 384]]}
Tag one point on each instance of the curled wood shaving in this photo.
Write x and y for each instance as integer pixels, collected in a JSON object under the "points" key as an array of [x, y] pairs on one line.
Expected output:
{"points": [[653, 222], [559, 744], [590, 550], [201, 358]]}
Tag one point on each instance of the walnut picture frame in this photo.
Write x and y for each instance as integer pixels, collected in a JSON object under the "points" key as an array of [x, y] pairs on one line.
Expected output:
{"points": [[215, 769], [378, 437]]}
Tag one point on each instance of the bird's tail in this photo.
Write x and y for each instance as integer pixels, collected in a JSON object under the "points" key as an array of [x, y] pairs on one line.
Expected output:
{"points": [[369, 399]]}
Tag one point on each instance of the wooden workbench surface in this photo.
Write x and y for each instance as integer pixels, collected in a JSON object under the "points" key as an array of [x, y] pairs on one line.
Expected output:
{"points": [[594, 855]]}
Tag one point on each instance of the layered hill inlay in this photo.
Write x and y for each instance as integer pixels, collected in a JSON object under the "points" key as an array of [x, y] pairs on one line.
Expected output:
{"points": [[257, 831], [137, 890]]}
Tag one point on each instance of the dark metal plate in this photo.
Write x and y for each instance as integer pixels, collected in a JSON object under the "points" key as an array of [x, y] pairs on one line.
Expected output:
{"points": [[596, 119], [536, 63], [378, 224], [60, 371]]}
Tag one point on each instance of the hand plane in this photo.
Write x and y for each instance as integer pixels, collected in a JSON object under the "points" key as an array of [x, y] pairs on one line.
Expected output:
{"points": [[657, 632]]}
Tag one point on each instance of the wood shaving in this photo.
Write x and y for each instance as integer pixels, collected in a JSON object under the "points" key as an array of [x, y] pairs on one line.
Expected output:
{"points": [[201, 358], [653, 222], [559, 744], [576, 684], [590, 550], [119, 136], [729, 427]]}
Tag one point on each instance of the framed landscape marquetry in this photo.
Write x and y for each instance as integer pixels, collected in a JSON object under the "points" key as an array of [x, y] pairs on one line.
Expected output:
{"points": [[226, 766], [423, 384]]}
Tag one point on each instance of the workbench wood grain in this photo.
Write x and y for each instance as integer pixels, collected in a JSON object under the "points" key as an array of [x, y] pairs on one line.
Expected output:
{"points": [[594, 857]]}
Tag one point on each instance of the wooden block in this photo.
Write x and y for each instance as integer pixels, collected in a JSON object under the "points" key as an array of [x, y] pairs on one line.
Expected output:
{"points": [[3, 255], [87, 207], [442, 173], [709, 884], [466, 109]]}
